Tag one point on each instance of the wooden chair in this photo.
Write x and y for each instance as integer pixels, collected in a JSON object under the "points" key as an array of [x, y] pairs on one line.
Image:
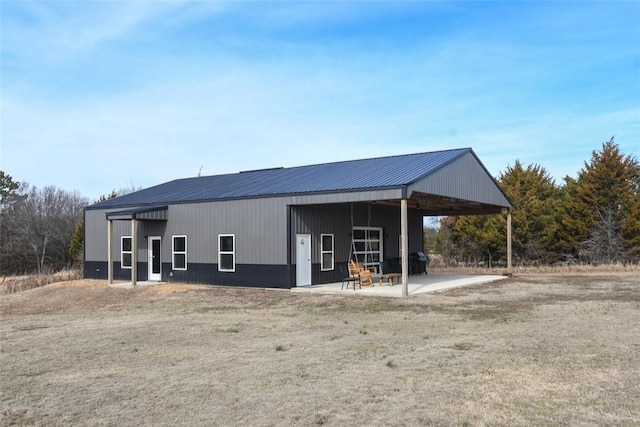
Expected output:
{"points": [[363, 274], [365, 278]]}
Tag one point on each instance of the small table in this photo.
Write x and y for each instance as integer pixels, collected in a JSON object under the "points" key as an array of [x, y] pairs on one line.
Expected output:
{"points": [[389, 277]]}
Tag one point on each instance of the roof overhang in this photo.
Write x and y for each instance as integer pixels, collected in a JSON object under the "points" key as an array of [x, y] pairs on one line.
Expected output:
{"points": [[435, 205], [156, 213]]}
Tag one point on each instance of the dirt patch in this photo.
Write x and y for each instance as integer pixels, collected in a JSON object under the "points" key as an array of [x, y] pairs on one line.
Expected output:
{"points": [[530, 350]]}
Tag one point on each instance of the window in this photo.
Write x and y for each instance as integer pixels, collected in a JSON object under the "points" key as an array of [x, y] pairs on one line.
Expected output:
{"points": [[126, 253], [367, 246], [227, 252], [179, 259], [326, 252]]}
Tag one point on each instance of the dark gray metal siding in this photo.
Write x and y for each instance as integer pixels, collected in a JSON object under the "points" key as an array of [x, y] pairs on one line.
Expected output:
{"points": [[158, 213], [323, 219], [336, 220]]}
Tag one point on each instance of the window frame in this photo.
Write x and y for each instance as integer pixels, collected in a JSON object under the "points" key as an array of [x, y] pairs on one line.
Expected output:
{"points": [[367, 253], [123, 252], [174, 252], [232, 253], [324, 251]]}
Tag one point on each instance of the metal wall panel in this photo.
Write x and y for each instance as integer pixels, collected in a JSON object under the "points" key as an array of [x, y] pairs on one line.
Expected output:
{"points": [[95, 236], [259, 226], [95, 232], [465, 179], [336, 220]]}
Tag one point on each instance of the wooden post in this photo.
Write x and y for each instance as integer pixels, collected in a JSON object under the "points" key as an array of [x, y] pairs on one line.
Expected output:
{"points": [[509, 265], [134, 253], [405, 247], [110, 252]]}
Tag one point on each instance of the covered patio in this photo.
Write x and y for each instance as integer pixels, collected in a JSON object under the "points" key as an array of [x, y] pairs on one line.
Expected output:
{"points": [[418, 284]]}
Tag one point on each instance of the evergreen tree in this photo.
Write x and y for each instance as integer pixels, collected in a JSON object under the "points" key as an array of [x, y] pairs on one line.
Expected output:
{"points": [[536, 213], [8, 188], [535, 221], [76, 246], [606, 194], [480, 238], [573, 228]]}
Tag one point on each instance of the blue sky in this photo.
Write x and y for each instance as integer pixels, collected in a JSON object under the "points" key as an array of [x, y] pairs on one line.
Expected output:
{"points": [[97, 95]]}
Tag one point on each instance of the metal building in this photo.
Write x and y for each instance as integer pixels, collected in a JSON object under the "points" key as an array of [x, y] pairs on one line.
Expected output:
{"points": [[284, 227]]}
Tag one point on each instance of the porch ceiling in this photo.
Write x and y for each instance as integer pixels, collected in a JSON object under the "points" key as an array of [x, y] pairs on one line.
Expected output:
{"points": [[434, 205]]}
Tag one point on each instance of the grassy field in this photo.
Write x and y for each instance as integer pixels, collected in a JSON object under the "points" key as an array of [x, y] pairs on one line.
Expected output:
{"points": [[531, 350]]}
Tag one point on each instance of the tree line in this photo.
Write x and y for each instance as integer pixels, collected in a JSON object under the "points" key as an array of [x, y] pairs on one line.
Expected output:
{"points": [[41, 229], [594, 218]]}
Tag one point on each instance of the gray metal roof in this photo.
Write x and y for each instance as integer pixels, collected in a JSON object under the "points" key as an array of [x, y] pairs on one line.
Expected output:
{"points": [[365, 174]]}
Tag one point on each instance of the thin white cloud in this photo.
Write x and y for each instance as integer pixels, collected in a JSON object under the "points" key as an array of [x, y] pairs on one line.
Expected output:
{"points": [[60, 31]]}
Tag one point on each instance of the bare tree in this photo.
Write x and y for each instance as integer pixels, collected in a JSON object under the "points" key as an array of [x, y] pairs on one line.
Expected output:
{"points": [[605, 244], [37, 230]]}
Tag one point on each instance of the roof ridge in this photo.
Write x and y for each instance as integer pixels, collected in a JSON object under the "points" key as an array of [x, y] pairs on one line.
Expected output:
{"points": [[285, 168], [380, 157]]}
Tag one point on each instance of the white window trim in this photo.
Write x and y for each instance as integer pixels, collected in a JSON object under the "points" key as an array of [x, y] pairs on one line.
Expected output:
{"points": [[122, 252], [174, 252], [221, 252], [324, 251], [362, 254]]}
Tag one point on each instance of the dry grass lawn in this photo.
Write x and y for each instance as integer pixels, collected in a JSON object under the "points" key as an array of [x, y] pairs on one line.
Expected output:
{"points": [[530, 350]]}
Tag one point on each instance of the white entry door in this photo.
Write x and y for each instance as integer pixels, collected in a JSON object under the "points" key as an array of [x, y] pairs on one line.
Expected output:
{"points": [[303, 259], [154, 261]]}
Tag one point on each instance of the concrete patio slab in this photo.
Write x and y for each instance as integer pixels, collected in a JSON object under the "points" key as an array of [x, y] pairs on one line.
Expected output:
{"points": [[417, 285]]}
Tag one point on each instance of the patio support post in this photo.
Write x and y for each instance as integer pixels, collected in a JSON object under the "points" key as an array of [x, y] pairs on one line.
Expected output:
{"points": [[405, 247], [134, 253], [110, 251], [509, 266]]}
